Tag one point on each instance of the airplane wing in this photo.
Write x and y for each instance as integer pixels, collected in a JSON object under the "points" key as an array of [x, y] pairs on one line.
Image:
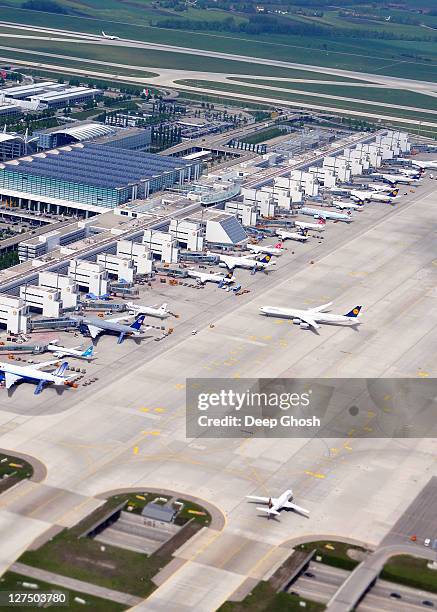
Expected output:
{"points": [[310, 322], [296, 508], [268, 511], [94, 331], [265, 500], [43, 364], [321, 308], [11, 379]]}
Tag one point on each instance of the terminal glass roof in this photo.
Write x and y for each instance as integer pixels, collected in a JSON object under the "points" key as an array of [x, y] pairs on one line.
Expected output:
{"points": [[98, 165], [86, 131]]}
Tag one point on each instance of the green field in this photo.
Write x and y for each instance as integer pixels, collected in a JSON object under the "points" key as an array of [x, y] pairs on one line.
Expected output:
{"points": [[12, 469], [333, 553], [263, 136], [264, 598], [10, 581], [335, 105], [415, 56], [410, 571]]}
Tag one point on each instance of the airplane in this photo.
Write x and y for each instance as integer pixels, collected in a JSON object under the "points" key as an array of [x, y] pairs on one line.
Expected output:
{"points": [[373, 196], [270, 250], [326, 214], [109, 37], [12, 373], [301, 236], [346, 205], [216, 277], [423, 165], [96, 326], [384, 189], [249, 262], [63, 351], [311, 317], [275, 504], [151, 311], [317, 227], [395, 179]]}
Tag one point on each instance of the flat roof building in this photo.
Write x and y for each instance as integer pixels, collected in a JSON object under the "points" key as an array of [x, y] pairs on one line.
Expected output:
{"points": [[95, 174]]}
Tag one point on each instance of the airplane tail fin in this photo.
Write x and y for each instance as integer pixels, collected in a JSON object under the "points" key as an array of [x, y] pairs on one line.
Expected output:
{"points": [[88, 352], [278, 246], [354, 312], [266, 259], [321, 222], [164, 307], [60, 371], [138, 322], [268, 511]]}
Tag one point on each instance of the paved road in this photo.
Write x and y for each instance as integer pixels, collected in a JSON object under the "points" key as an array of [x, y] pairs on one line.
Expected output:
{"points": [[75, 585]]}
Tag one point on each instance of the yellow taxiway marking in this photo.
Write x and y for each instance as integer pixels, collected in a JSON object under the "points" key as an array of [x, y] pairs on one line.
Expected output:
{"points": [[314, 474], [159, 410], [347, 446], [351, 432], [279, 321], [253, 338], [368, 429], [136, 450], [145, 409], [422, 374], [334, 451], [283, 343], [386, 398], [151, 433], [371, 414], [236, 375], [266, 337], [179, 386]]}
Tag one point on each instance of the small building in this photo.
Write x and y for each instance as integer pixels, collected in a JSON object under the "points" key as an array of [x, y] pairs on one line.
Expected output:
{"points": [[44, 299], [161, 244], [13, 314], [89, 276], [158, 512]]}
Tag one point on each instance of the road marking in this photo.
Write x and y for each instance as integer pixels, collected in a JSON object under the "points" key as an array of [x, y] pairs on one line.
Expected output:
{"points": [[151, 433], [314, 474], [136, 450], [159, 409], [179, 386], [145, 409]]}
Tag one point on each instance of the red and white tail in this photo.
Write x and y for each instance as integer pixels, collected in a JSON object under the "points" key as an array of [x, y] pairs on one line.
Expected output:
{"points": [[278, 246], [321, 222]]}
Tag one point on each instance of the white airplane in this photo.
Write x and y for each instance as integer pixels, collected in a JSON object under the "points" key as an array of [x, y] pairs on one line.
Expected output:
{"points": [[216, 277], [249, 262], [270, 250], [311, 317], [12, 373], [275, 504], [423, 165], [384, 188], [346, 205], [317, 213], [286, 235], [317, 227], [109, 36], [374, 196], [96, 325], [151, 311], [63, 351], [396, 179]]}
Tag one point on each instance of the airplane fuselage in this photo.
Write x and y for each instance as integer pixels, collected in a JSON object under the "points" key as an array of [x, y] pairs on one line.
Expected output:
{"points": [[325, 214], [298, 316]]}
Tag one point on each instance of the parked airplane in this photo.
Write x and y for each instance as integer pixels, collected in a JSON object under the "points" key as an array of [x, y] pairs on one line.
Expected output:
{"points": [[12, 373], [384, 189], [96, 326], [301, 236], [109, 36], [275, 504], [346, 205], [249, 262], [317, 227], [216, 277], [151, 311], [396, 179], [430, 164], [373, 196], [317, 213], [63, 351], [270, 250], [311, 317]]}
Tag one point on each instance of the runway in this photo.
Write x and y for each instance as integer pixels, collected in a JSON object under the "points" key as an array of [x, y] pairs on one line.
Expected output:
{"points": [[129, 429]]}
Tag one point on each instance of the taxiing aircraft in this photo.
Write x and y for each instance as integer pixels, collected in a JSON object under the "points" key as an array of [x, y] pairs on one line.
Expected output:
{"points": [[317, 213], [249, 262], [300, 236], [317, 227], [215, 277], [311, 317], [270, 250], [151, 311], [109, 36], [63, 351], [12, 373], [95, 326], [275, 504]]}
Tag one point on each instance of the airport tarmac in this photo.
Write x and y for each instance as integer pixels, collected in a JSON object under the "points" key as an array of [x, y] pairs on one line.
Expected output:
{"points": [[129, 428]]}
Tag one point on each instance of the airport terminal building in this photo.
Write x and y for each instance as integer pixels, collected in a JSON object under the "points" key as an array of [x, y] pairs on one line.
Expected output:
{"points": [[91, 176]]}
